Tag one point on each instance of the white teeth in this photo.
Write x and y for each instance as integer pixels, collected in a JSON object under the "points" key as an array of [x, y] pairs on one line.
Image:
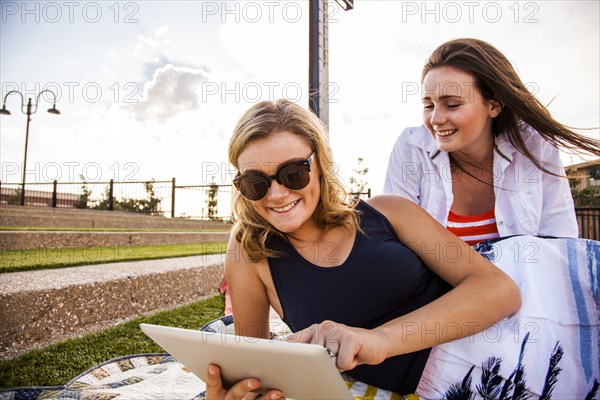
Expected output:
{"points": [[286, 208], [446, 132]]}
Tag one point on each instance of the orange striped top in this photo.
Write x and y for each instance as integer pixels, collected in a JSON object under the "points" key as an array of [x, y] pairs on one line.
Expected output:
{"points": [[473, 229]]}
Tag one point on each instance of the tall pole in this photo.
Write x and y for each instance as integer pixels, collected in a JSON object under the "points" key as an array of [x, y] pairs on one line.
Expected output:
{"points": [[318, 64], [318, 56], [25, 159]]}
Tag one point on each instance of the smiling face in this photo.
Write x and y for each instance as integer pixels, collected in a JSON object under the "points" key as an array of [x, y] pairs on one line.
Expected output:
{"points": [[455, 112], [289, 211]]}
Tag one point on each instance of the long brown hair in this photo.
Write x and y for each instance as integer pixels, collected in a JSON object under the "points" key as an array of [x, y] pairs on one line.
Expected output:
{"points": [[496, 79], [260, 121]]}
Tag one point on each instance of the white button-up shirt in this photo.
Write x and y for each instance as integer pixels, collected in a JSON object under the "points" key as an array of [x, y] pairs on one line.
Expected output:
{"points": [[528, 200]]}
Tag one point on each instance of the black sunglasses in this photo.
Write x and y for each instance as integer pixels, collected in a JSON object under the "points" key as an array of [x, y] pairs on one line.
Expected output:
{"points": [[294, 175]]}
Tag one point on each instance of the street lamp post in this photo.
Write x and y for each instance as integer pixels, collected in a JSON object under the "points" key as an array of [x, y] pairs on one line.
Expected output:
{"points": [[28, 109]]}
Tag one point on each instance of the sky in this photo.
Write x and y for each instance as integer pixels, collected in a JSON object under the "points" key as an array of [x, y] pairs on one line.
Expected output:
{"points": [[153, 89]]}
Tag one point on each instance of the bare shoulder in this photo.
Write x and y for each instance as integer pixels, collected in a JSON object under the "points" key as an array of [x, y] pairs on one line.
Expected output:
{"points": [[240, 270], [409, 220], [388, 205], [236, 258]]}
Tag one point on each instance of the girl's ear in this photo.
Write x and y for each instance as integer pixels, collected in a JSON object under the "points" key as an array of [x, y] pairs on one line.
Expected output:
{"points": [[495, 107]]}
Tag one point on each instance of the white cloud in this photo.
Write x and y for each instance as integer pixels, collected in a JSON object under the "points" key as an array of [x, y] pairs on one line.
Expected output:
{"points": [[172, 90]]}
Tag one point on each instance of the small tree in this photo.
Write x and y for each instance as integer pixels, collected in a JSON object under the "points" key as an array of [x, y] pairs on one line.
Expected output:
{"points": [[149, 205], [152, 204], [584, 197], [104, 201], [212, 201], [84, 197], [15, 197], [358, 181]]}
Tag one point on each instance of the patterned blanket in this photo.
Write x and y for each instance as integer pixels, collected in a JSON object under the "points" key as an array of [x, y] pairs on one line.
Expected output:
{"points": [[160, 376], [151, 376], [135, 377]]}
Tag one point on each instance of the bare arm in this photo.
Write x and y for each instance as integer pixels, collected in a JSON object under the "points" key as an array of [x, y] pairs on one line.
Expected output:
{"points": [[248, 293], [251, 309]]}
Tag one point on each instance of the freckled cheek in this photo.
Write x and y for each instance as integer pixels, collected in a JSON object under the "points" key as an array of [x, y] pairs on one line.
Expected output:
{"points": [[426, 118], [429, 128]]}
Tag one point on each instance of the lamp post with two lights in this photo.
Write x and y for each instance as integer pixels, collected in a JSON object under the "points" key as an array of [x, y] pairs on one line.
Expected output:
{"points": [[28, 109]]}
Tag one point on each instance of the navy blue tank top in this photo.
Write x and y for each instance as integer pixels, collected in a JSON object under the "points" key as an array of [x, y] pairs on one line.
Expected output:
{"points": [[380, 280]]}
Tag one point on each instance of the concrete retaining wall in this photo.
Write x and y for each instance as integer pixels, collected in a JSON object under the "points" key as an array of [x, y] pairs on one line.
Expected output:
{"points": [[38, 308], [74, 218], [25, 240]]}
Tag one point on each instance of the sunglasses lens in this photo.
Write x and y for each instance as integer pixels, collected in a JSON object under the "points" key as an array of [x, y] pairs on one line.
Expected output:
{"points": [[253, 186], [294, 176]]}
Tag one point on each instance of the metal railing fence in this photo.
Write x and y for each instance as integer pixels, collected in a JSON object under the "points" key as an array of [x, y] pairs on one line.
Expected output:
{"points": [[588, 219], [166, 198]]}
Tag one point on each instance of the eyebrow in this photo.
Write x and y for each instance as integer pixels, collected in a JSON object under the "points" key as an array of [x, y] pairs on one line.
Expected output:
{"points": [[444, 97]]}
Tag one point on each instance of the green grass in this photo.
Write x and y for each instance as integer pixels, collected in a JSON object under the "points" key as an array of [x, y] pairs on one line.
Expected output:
{"points": [[59, 363], [54, 229], [28, 260]]}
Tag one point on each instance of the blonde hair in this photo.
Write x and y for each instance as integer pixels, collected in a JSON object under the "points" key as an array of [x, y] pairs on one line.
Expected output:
{"points": [[261, 120]]}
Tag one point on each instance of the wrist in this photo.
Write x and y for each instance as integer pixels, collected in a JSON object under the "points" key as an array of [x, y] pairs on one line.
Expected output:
{"points": [[384, 342]]}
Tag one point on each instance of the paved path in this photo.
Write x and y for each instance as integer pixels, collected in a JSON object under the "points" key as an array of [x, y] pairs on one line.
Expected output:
{"points": [[62, 277]]}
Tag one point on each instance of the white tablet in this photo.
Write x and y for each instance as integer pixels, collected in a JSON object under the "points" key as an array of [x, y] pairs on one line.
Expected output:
{"points": [[298, 370]]}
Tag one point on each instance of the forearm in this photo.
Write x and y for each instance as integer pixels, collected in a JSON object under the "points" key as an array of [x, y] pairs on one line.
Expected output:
{"points": [[474, 305]]}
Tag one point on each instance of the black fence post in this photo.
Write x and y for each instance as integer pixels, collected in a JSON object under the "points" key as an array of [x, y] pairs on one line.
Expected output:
{"points": [[111, 185], [369, 193], [22, 198], [173, 198], [54, 193]]}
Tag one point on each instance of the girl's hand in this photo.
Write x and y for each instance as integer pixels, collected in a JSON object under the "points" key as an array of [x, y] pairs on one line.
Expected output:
{"points": [[241, 390], [348, 346]]}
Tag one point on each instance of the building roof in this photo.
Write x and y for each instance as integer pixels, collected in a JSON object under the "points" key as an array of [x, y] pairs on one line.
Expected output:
{"points": [[586, 164]]}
